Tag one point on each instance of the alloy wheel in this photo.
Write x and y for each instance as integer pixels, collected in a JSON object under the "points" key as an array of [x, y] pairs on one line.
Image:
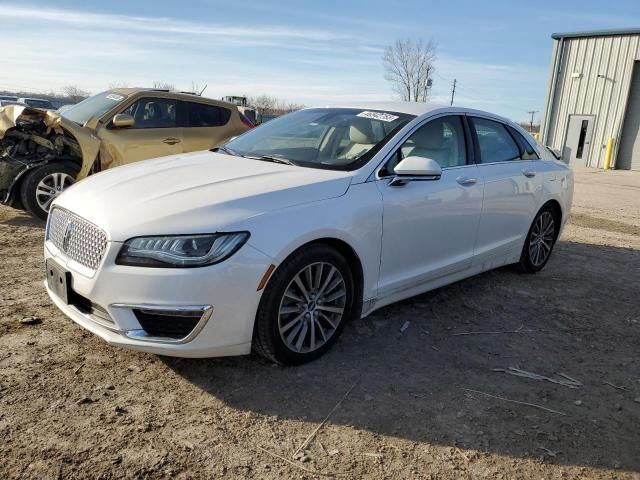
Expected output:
{"points": [[50, 187], [312, 307], [541, 239]]}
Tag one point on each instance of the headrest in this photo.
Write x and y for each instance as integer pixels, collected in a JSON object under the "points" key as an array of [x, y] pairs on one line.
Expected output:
{"points": [[360, 131]]}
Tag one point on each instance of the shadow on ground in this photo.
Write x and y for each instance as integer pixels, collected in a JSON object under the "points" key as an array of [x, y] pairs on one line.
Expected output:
{"points": [[23, 219], [578, 317]]}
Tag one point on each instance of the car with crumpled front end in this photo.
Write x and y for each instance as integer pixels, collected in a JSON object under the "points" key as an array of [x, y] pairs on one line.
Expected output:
{"points": [[44, 152]]}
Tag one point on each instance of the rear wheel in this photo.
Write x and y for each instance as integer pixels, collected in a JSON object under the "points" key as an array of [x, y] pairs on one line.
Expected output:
{"points": [[43, 184], [540, 241], [305, 306]]}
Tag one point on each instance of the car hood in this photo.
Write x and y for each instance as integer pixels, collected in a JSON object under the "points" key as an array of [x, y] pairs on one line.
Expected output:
{"points": [[199, 192]]}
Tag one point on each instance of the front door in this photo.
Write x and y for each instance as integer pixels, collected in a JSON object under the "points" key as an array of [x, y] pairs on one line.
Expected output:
{"points": [[578, 142], [429, 227], [155, 132]]}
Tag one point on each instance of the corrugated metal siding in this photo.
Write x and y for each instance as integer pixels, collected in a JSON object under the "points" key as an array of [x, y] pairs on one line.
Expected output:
{"points": [[605, 97], [629, 151]]}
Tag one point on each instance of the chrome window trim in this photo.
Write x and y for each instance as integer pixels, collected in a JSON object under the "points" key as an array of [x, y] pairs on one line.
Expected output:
{"points": [[143, 336]]}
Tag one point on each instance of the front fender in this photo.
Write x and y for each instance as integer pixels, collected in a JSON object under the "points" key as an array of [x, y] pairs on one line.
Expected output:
{"points": [[354, 218]]}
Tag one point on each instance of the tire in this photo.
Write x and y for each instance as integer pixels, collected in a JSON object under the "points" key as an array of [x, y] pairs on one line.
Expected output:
{"points": [[315, 315], [537, 248], [43, 184]]}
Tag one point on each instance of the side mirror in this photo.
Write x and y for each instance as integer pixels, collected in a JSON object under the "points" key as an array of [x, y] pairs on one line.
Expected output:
{"points": [[555, 152], [418, 167], [123, 120]]}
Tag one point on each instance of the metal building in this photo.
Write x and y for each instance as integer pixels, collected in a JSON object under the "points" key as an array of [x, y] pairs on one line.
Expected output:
{"points": [[593, 95]]}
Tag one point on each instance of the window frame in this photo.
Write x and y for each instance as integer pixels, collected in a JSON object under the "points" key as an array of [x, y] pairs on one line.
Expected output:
{"points": [[469, 147], [522, 144], [476, 141], [179, 113]]}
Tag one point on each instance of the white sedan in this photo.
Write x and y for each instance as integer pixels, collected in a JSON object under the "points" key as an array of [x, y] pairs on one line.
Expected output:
{"points": [[274, 241]]}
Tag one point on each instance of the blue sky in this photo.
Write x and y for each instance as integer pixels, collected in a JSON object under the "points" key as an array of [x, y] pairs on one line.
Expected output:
{"points": [[313, 53]]}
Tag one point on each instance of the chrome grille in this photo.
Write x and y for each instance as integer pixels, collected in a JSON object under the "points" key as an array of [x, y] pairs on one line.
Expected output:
{"points": [[77, 238]]}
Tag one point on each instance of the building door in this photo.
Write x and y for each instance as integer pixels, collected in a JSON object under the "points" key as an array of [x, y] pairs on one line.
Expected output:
{"points": [[576, 146], [629, 152]]}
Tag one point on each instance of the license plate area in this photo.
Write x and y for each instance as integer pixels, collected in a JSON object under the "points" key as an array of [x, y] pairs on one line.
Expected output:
{"points": [[58, 280]]}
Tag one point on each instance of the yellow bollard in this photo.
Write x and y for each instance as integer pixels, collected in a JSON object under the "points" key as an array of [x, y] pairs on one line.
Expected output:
{"points": [[609, 154]]}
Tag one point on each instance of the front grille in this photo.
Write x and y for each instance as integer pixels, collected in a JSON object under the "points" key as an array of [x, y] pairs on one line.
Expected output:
{"points": [[77, 238]]}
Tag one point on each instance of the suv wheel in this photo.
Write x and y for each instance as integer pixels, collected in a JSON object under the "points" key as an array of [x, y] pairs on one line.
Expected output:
{"points": [[43, 184], [304, 306]]}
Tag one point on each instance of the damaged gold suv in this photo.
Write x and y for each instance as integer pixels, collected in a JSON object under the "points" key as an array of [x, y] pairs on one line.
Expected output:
{"points": [[43, 152]]}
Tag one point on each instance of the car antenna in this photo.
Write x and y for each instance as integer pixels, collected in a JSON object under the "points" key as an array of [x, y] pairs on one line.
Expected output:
{"points": [[201, 91]]}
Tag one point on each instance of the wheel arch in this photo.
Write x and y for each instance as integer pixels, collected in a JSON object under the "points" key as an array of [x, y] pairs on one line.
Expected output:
{"points": [[353, 259], [557, 212]]}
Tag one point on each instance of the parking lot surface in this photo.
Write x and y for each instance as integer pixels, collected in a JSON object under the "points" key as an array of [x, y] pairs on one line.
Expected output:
{"points": [[445, 385]]}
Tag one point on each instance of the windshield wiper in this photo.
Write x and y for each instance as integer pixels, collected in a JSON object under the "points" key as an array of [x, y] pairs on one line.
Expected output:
{"points": [[226, 150], [269, 158]]}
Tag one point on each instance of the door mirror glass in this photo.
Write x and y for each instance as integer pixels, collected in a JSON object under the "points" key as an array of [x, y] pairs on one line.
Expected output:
{"points": [[414, 166], [123, 120]]}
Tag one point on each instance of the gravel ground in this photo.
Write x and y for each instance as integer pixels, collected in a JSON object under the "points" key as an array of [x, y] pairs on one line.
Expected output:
{"points": [[73, 407]]}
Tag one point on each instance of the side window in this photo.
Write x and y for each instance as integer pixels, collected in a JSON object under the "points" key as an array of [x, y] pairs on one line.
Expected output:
{"points": [[441, 140], [153, 113], [526, 150], [494, 141], [202, 115]]}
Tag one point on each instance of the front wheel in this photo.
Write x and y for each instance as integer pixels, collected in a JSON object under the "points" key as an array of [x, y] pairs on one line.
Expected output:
{"points": [[540, 241], [43, 184], [305, 306]]}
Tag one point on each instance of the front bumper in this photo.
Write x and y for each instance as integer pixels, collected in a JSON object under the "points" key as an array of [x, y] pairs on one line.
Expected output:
{"points": [[226, 293]]}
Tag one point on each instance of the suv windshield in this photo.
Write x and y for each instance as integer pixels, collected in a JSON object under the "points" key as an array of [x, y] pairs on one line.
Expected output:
{"points": [[332, 138], [95, 106]]}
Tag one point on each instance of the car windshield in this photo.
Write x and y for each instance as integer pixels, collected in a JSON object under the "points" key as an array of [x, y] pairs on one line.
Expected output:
{"points": [[330, 138], [95, 106]]}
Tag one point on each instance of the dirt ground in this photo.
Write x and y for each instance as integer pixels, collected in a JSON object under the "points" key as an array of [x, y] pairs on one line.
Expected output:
{"points": [[73, 407]]}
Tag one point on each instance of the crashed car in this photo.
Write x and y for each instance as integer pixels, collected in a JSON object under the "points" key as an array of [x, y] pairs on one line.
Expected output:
{"points": [[43, 152]]}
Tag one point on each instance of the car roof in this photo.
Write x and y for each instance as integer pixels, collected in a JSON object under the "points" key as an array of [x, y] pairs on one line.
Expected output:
{"points": [[179, 95], [416, 108]]}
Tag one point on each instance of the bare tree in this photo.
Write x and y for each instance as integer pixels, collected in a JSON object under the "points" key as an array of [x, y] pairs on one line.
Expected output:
{"points": [[162, 85], [408, 65], [266, 105], [74, 93]]}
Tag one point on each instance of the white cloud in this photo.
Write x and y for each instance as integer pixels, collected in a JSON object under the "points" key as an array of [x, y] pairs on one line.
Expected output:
{"points": [[310, 66]]}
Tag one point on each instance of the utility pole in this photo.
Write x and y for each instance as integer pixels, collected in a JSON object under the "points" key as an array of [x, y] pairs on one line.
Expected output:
{"points": [[453, 90], [532, 113]]}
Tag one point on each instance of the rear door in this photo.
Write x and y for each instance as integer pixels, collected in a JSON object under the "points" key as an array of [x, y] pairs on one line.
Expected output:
{"points": [[512, 191], [206, 126], [155, 132]]}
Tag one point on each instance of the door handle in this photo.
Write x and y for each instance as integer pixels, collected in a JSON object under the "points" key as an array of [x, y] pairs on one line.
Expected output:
{"points": [[466, 181], [528, 173], [171, 141]]}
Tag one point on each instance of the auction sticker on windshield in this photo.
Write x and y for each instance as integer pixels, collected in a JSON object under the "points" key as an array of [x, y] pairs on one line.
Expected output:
{"points": [[113, 96], [385, 117]]}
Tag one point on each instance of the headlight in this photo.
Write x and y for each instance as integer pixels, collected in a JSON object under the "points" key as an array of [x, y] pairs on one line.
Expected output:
{"points": [[173, 251]]}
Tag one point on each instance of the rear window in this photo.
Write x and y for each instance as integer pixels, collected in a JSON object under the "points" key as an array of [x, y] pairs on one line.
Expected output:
{"points": [[202, 115], [528, 152]]}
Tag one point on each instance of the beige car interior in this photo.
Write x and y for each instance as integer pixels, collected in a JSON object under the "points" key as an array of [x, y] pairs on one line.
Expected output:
{"points": [[441, 140]]}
